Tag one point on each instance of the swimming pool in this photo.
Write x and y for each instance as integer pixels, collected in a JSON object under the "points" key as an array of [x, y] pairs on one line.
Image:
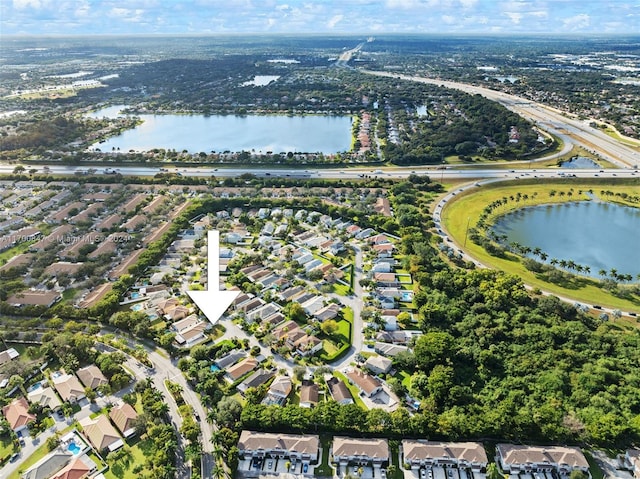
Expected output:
{"points": [[135, 295], [406, 296], [136, 307], [73, 448], [214, 368], [34, 387]]}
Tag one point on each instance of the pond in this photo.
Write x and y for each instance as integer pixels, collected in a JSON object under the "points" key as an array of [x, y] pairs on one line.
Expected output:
{"points": [[326, 134], [579, 162], [596, 234]]}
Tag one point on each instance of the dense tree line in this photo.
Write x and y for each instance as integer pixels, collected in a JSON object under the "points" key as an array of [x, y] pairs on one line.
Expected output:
{"points": [[494, 361]]}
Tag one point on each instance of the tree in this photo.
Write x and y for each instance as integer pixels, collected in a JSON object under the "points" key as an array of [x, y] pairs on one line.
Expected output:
{"points": [[493, 472], [329, 327], [228, 412]]}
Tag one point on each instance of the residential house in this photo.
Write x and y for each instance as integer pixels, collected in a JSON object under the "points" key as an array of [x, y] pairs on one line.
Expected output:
{"points": [[258, 378], [79, 468], [101, 434], [378, 364], [364, 234], [262, 312], [389, 350], [233, 357], [422, 453], [243, 367], [186, 323], [330, 311], [303, 448], [51, 465], [309, 394], [367, 384], [632, 461], [313, 305], [46, 397], [385, 279], [348, 450], [8, 355], [91, 376], [516, 459], [17, 415], [124, 417], [278, 391], [339, 391], [384, 249], [398, 337], [193, 335], [68, 387], [34, 297]]}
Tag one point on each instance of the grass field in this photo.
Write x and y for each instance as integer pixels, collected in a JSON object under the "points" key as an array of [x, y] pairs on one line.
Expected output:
{"points": [[468, 207], [135, 455]]}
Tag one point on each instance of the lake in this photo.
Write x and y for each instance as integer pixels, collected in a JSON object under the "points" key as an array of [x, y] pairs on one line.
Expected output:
{"points": [[591, 233], [195, 133]]}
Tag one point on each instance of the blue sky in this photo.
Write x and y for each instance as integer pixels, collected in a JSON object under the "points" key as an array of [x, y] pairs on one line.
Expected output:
{"points": [[62, 17]]}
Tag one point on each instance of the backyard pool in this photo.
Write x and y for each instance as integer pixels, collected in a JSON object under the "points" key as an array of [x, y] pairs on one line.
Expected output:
{"points": [[135, 295], [34, 387], [406, 296], [136, 307], [73, 448]]}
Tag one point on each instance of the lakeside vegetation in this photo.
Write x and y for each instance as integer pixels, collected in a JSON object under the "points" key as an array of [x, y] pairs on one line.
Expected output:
{"points": [[468, 208]]}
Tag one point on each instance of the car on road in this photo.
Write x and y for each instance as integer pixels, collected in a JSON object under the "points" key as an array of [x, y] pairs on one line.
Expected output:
{"points": [[14, 457], [21, 441]]}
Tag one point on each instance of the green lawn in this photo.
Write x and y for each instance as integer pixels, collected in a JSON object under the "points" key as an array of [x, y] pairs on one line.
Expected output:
{"points": [[468, 207], [324, 469], [15, 251], [138, 452], [596, 472], [355, 392], [7, 446]]}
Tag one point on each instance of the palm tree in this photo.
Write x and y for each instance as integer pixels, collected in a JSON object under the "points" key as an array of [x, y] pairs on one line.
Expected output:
{"points": [[587, 269], [602, 272], [543, 256]]}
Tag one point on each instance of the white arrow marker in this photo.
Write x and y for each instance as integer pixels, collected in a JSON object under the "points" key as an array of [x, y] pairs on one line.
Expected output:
{"points": [[213, 303]]}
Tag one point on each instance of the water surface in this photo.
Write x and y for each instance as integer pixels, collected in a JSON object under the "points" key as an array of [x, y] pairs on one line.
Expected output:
{"points": [[591, 233]]}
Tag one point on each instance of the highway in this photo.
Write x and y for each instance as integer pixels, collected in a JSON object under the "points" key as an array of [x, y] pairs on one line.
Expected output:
{"points": [[437, 173], [550, 119]]}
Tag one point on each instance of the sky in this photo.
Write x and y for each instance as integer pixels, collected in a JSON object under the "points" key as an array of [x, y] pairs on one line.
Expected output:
{"points": [[82, 17]]}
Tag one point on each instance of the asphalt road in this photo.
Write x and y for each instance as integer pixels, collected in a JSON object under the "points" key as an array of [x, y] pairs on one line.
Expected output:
{"points": [[550, 119]]}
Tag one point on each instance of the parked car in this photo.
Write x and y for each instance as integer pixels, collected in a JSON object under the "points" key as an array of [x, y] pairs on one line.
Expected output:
{"points": [[305, 467], [270, 465], [14, 457]]}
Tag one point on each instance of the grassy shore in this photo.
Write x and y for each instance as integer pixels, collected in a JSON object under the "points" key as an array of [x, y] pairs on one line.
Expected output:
{"points": [[468, 207]]}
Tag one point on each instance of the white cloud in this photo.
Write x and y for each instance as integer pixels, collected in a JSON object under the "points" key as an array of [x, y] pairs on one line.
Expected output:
{"points": [[515, 17], [577, 22], [23, 4], [334, 21], [127, 14], [448, 19], [539, 14]]}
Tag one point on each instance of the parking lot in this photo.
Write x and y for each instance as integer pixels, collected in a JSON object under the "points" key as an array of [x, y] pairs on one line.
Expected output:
{"points": [[440, 472], [273, 466]]}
